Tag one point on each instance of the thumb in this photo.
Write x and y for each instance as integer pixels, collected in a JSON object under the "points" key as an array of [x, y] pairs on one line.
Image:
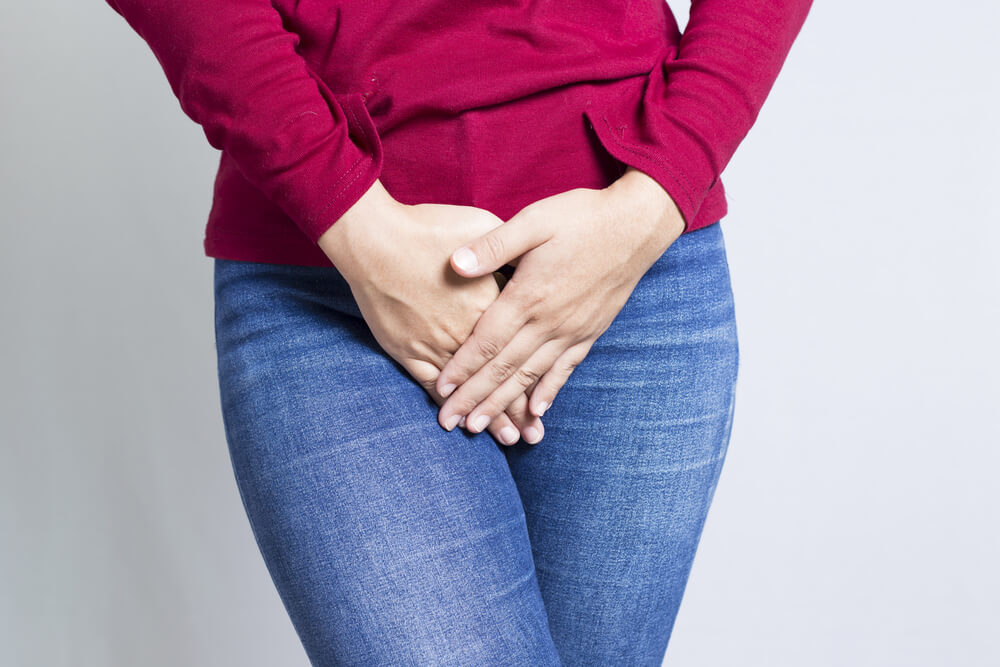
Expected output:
{"points": [[501, 245]]}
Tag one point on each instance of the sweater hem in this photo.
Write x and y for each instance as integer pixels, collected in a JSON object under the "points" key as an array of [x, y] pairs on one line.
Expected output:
{"points": [[283, 250]]}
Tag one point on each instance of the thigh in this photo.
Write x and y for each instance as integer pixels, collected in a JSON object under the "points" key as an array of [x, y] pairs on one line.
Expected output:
{"points": [[389, 539], [617, 492]]}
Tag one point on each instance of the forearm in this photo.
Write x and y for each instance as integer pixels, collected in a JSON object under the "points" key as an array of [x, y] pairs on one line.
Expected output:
{"points": [[346, 241], [642, 195]]}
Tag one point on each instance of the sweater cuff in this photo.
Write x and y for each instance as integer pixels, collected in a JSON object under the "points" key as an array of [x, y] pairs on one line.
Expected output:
{"points": [[364, 155], [636, 129]]}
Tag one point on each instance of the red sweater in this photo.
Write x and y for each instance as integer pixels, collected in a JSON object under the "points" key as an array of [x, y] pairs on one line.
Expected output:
{"points": [[485, 103]]}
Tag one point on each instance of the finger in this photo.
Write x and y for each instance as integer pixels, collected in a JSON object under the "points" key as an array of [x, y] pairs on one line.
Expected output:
{"points": [[498, 400], [504, 431], [529, 425], [553, 380], [426, 375], [501, 245], [495, 372], [504, 428], [494, 329]]}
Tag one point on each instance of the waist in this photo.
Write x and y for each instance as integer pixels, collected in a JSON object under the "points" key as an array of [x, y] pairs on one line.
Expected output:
{"points": [[501, 157]]}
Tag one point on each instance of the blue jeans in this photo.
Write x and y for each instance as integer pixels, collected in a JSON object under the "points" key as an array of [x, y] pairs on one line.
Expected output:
{"points": [[394, 542]]}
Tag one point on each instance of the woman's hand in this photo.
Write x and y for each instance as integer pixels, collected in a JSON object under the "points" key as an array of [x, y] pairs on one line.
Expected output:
{"points": [[394, 256], [581, 253]]}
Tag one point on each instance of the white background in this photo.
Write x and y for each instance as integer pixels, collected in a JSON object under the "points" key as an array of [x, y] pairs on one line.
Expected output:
{"points": [[856, 519]]}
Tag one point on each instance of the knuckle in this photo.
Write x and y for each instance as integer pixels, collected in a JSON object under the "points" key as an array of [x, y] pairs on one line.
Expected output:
{"points": [[445, 338], [525, 377], [552, 326], [494, 246], [487, 348], [500, 370], [576, 325]]}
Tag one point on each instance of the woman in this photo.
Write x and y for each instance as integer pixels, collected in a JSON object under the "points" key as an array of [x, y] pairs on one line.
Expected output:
{"points": [[433, 219]]}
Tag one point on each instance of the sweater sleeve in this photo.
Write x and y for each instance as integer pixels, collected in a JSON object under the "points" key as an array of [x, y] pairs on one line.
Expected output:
{"points": [[702, 97], [236, 72]]}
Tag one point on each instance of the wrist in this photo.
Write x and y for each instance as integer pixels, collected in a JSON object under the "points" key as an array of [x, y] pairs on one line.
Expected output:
{"points": [[653, 202], [341, 242]]}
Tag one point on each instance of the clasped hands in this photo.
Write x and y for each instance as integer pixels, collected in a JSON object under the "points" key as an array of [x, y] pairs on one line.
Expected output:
{"points": [[423, 277]]}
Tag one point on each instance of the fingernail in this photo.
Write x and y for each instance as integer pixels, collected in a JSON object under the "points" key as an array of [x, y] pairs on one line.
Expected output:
{"points": [[542, 407], [447, 389], [452, 421], [466, 259], [461, 422], [509, 435], [480, 422], [532, 435]]}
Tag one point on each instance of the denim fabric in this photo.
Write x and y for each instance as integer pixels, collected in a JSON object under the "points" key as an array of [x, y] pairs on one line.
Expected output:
{"points": [[394, 542]]}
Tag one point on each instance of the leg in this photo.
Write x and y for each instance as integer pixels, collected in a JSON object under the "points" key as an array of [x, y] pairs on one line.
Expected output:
{"points": [[617, 492], [390, 540]]}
